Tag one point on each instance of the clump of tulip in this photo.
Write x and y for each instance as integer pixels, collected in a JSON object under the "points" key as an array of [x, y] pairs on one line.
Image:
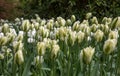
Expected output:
{"points": [[57, 46]]}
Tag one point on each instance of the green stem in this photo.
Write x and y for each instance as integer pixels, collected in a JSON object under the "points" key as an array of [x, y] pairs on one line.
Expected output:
{"points": [[111, 62], [20, 70], [13, 66], [89, 66], [40, 65], [68, 73]]}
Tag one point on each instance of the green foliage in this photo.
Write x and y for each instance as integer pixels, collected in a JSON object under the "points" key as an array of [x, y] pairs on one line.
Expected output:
{"points": [[65, 8]]}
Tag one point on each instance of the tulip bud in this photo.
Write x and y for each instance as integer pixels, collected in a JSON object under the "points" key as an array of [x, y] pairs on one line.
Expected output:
{"points": [[50, 24], [61, 33], [94, 20], [109, 46], [88, 15], [3, 40], [10, 37], [72, 37], [32, 26], [25, 25], [61, 21], [55, 50], [98, 35], [5, 28], [80, 36], [19, 59], [93, 27], [36, 25], [76, 26], [73, 18], [113, 35], [104, 20], [87, 54], [43, 22], [57, 24], [118, 23], [41, 47], [1, 56], [38, 60], [106, 29], [68, 22]]}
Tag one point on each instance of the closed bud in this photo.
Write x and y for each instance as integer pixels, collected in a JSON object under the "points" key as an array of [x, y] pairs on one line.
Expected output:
{"points": [[25, 25], [113, 35], [109, 46], [3, 40], [98, 35], [50, 24], [55, 50], [73, 18], [104, 20], [38, 60], [118, 23], [36, 25], [32, 26], [19, 59], [94, 20], [87, 54], [43, 22], [68, 22], [80, 36], [1, 56], [106, 29], [61, 21], [41, 48], [5, 28], [61, 33], [93, 27], [57, 24], [76, 26], [72, 38], [88, 15], [10, 37]]}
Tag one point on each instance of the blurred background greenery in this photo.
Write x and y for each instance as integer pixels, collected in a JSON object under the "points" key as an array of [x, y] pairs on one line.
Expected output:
{"points": [[10, 9]]}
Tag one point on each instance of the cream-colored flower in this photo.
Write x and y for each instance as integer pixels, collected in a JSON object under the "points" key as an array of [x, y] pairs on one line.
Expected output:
{"points": [[5, 28], [109, 46], [38, 60], [10, 37], [93, 27], [80, 36], [113, 35], [61, 33], [19, 59], [1, 56], [88, 15], [55, 50], [25, 25], [94, 20], [87, 54], [72, 37], [61, 21], [98, 35], [3, 40], [117, 25], [41, 48], [73, 18], [68, 22], [50, 24], [76, 26]]}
